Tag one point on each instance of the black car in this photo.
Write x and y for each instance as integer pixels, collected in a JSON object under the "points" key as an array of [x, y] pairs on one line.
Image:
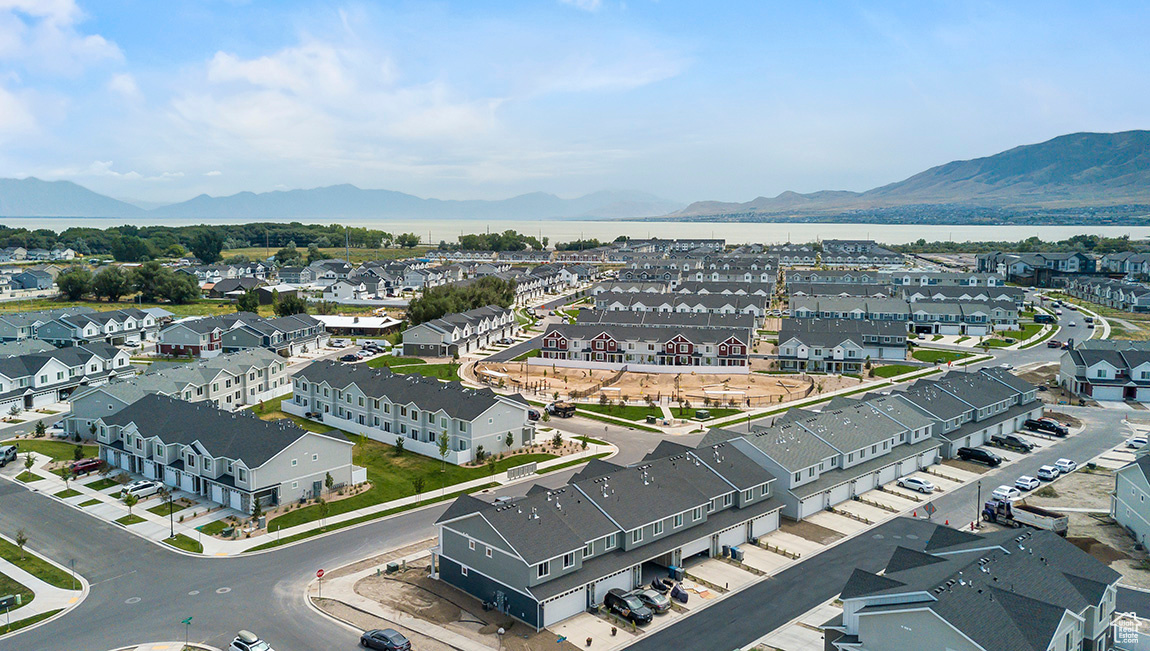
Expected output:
{"points": [[980, 456], [1013, 441], [349, 358], [387, 639], [627, 606]]}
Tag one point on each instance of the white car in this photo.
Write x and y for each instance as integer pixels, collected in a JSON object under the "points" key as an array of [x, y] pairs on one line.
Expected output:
{"points": [[1066, 466], [1008, 493], [1136, 442], [1048, 473], [916, 484], [1026, 483], [248, 641], [1073, 324], [141, 488]]}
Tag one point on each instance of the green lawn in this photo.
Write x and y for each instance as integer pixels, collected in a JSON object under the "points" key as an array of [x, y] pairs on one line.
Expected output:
{"points": [[36, 566], [628, 412], [28, 621], [100, 484], [534, 352], [994, 343], [391, 478], [66, 493], [591, 441], [440, 371], [28, 477], [130, 519], [390, 360], [568, 464], [366, 518], [272, 411], [164, 509], [8, 586], [92, 502], [938, 356], [1028, 330], [185, 543], [891, 370], [961, 339], [58, 450], [214, 527]]}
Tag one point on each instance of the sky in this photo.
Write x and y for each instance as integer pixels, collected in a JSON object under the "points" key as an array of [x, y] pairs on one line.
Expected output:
{"points": [[162, 101]]}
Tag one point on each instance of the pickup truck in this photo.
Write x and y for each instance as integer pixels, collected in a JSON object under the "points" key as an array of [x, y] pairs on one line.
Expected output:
{"points": [[1012, 441], [1019, 514], [1046, 426]]}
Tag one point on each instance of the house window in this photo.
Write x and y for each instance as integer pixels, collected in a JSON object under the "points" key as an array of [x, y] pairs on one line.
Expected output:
{"points": [[294, 463], [727, 499], [678, 520], [315, 457], [636, 536], [207, 463], [568, 560], [612, 540], [697, 514], [659, 528], [463, 570], [543, 569], [488, 552], [294, 485], [748, 495], [471, 545]]}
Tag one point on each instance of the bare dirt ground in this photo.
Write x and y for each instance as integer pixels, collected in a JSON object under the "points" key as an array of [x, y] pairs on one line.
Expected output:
{"points": [[1080, 490], [963, 465], [381, 559], [415, 593], [810, 531], [1065, 419], [367, 622], [758, 388]]}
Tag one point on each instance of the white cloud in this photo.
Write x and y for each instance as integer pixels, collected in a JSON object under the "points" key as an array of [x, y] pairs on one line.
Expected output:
{"points": [[124, 84], [585, 5], [43, 35], [213, 173], [16, 115], [103, 169]]}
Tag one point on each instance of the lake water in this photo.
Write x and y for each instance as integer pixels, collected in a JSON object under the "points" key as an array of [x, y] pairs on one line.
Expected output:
{"points": [[435, 230]]}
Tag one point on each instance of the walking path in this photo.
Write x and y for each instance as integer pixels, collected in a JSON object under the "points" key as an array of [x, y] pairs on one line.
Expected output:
{"points": [[47, 597]]}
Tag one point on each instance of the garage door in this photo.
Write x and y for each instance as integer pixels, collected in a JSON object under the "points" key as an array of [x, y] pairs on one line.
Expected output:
{"points": [[908, 466], [764, 525], [949, 329], [186, 482], [621, 580], [888, 474], [733, 536], [929, 458], [975, 331], [810, 506], [1107, 393], [48, 398], [864, 483], [217, 494], [840, 493], [126, 461], [237, 500], [701, 545], [564, 606]]}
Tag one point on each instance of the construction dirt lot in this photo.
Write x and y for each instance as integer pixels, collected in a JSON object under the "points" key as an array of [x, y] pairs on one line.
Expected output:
{"points": [[753, 389], [1046, 375]]}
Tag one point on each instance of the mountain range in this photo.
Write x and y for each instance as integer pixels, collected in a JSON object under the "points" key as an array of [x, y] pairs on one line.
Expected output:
{"points": [[1075, 170], [1067, 173]]}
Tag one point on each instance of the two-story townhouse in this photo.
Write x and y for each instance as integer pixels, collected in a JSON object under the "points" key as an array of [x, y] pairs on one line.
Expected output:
{"points": [[1006, 590], [386, 406], [1128, 504], [552, 554], [645, 348], [296, 275], [766, 289], [464, 332], [872, 309], [124, 327], [844, 290], [1107, 370], [192, 337], [286, 335], [838, 345], [37, 379], [230, 458]]}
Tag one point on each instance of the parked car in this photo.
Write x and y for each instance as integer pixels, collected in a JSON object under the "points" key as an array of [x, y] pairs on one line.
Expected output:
{"points": [[1058, 312], [1006, 366], [1012, 441], [387, 639], [658, 603], [1026, 483], [916, 484], [1088, 319], [1066, 345], [1072, 307], [141, 488], [1136, 442], [1048, 473], [980, 456], [84, 466], [349, 358], [627, 606], [533, 414], [1054, 343], [248, 641], [1008, 493], [1065, 466], [1046, 426], [7, 454], [56, 432], [1089, 326]]}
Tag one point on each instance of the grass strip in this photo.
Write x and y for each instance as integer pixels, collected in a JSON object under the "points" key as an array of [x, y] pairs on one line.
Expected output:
{"points": [[66, 493], [35, 619], [130, 519], [36, 566], [185, 543]]}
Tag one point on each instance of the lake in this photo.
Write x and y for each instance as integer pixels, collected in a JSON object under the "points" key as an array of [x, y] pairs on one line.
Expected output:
{"points": [[434, 230]]}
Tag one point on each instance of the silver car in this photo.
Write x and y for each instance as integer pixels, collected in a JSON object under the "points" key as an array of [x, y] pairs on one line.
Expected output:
{"points": [[916, 484]]}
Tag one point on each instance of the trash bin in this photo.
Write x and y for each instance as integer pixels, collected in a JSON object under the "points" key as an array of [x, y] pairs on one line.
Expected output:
{"points": [[737, 554], [392, 567], [678, 574], [726, 551], [651, 420]]}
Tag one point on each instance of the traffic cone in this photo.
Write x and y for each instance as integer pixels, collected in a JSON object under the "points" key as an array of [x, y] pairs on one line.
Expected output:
{"points": [[947, 522], [915, 515]]}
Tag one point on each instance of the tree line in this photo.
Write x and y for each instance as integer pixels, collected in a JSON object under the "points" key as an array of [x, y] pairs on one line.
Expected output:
{"points": [[449, 299], [1085, 243], [151, 280]]}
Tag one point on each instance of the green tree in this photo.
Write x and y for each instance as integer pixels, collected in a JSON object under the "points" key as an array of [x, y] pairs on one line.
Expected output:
{"points": [[175, 251], [328, 482], [509, 440], [398, 449], [130, 500], [288, 255], [407, 240], [249, 302], [417, 484], [67, 475], [179, 288], [111, 283], [288, 305], [40, 429], [21, 540], [314, 254], [322, 509], [77, 452], [444, 448], [130, 248], [148, 279], [257, 510], [75, 282], [207, 244], [28, 462]]}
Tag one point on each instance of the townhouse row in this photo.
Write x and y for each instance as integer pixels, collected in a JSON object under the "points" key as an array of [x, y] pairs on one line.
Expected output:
{"points": [[654, 345], [211, 336], [461, 333], [1107, 370], [957, 317], [1120, 295]]}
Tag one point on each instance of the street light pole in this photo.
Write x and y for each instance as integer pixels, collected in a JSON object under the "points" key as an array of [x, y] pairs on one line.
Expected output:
{"points": [[171, 516], [977, 504]]}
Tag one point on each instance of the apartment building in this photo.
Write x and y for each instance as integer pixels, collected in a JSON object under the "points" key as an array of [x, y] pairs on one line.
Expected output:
{"points": [[458, 334], [1107, 370], [838, 345], [646, 348], [385, 406], [230, 458]]}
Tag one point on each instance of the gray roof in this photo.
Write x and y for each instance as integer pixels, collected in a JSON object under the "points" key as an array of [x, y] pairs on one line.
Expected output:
{"points": [[652, 491], [667, 319], [649, 333], [430, 394], [790, 446], [975, 388], [238, 435], [928, 396], [549, 523]]}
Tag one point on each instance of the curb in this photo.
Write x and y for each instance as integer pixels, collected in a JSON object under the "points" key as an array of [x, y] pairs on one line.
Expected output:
{"points": [[85, 590]]}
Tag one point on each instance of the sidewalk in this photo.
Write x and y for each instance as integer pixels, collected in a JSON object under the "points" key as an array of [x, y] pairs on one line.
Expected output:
{"points": [[158, 528], [47, 597]]}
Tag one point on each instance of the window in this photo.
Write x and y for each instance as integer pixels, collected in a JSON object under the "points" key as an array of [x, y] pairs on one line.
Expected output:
{"points": [[487, 551], [294, 463], [727, 499], [543, 569], [463, 570], [568, 560], [612, 541], [799, 475], [587, 551], [636, 536], [659, 528], [697, 514], [748, 495], [678, 520], [295, 485], [207, 463], [242, 474], [471, 545]]}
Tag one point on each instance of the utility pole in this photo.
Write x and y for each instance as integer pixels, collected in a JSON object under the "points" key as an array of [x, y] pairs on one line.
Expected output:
{"points": [[978, 504]]}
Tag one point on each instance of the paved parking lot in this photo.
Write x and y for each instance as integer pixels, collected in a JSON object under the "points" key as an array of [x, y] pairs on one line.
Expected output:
{"points": [[839, 523], [792, 543], [721, 573], [763, 560]]}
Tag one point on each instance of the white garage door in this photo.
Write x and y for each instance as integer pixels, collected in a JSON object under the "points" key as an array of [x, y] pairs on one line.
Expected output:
{"points": [[701, 545], [810, 506], [564, 606], [186, 482], [237, 500], [764, 525], [976, 331], [621, 580], [908, 466], [888, 474], [840, 493], [949, 329], [217, 494], [929, 458], [125, 461], [1107, 393], [733, 536], [864, 483], [48, 398]]}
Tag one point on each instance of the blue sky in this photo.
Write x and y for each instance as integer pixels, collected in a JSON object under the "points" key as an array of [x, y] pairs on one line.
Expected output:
{"points": [[160, 101]]}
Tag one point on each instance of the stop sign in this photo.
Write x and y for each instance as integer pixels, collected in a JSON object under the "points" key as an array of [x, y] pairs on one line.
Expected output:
{"points": [[319, 574]]}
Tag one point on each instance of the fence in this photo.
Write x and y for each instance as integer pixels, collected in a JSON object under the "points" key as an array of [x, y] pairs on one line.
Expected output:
{"points": [[518, 472]]}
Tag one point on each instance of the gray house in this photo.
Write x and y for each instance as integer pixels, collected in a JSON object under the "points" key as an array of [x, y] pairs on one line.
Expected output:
{"points": [[230, 458], [554, 553], [460, 333]]}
